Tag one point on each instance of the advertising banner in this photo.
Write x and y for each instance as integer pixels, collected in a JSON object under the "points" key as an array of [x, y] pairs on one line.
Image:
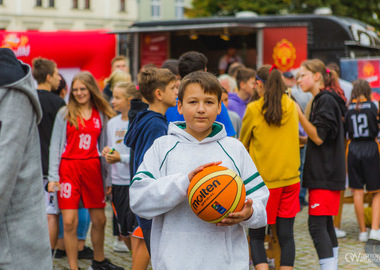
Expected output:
{"points": [[363, 68], [154, 48], [285, 47], [82, 50]]}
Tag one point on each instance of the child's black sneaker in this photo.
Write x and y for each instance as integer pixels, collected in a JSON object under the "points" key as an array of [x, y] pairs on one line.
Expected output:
{"points": [[104, 265], [86, 254], [59, 253]]}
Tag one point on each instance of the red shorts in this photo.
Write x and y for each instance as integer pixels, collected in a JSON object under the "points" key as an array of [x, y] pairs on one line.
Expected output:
{"points": [[283, 202], [323, 202], [81, 179]]}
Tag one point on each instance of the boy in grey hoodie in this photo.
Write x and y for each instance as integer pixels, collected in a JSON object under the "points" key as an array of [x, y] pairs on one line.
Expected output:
{"points": [[24, 239], [179, 239]]}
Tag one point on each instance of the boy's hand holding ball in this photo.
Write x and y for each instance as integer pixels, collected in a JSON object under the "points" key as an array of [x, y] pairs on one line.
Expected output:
{"points": [[237, 217]]}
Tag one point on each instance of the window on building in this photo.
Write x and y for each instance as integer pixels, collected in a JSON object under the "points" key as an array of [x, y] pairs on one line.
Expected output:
{"points": [[156, 9], [87, 4], [51, 3], [39, 3], [179, 9], [122, 5], [75, 4]]}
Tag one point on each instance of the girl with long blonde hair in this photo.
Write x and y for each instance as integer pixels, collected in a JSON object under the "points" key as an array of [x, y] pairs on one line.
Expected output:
{"points": [[76, 168]]}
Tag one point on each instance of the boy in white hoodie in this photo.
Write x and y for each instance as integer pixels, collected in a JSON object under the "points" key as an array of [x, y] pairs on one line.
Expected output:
{"points": [[179, 239]]}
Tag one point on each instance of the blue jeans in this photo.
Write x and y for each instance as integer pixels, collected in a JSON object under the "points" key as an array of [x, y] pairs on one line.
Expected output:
{"points": [[83, 224]]}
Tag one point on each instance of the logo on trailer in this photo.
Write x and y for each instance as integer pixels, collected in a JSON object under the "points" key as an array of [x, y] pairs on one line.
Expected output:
{"points": [[221, 210], [284, 54], [369, 72], [18, 44]]}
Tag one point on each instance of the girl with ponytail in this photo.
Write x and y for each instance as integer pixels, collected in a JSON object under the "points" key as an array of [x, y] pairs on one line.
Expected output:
{"points": [[270, 134], [324, 171], [363, 160]]}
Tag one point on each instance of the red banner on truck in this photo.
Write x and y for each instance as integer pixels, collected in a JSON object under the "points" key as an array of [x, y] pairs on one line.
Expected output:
{"points": [[285, 47]]}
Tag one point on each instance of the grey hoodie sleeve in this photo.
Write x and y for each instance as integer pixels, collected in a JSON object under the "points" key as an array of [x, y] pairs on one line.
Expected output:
{"points": [[18, 130], [57, 144]]}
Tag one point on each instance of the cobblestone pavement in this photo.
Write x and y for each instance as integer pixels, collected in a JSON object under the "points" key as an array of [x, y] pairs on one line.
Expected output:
{"points": [[352, 253]]}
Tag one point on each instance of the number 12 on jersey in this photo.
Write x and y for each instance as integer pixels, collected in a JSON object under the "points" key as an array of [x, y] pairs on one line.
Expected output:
{"points": [[360, 125]]}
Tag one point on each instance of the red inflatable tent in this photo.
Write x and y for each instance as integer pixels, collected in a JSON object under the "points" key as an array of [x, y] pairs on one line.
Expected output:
{"points": [[71, 50]]}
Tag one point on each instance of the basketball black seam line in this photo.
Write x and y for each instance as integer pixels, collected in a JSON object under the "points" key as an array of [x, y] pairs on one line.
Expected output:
{"points": [[217, 195]]}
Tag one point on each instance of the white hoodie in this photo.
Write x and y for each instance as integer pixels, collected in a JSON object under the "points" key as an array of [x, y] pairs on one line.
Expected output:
{"points": [[179, 239]]}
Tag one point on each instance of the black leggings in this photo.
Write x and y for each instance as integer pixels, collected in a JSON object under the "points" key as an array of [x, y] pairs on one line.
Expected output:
{"points": [[322, 232], [285, 238]]}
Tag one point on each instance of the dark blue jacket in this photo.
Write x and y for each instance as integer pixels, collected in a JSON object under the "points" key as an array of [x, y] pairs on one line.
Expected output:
{"points": [[145, 128]]}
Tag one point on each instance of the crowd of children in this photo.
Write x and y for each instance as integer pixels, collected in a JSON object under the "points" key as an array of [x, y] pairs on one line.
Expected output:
{"points": [[179, 120]]}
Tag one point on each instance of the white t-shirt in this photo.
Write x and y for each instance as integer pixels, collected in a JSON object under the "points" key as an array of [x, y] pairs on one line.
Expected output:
{"points": [[116, 130]]}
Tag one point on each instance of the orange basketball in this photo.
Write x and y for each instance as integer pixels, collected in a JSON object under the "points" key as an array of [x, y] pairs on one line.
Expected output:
{"points": [[215, 192]]}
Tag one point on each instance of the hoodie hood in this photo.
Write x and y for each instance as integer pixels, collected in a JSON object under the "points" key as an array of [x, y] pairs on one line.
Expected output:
{"points": [[136, 106], [287, 106], [338, 99], [141, 123], [17, 76], [177, 129]]}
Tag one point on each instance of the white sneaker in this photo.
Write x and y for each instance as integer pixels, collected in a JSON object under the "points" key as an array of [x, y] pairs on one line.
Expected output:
{"points": [[374, 235], [363, 236], [340, 233], [119, 246]]}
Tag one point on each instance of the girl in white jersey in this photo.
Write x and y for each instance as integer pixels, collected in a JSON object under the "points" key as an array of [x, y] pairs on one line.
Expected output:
{"points": [[79, 132], [118, 154]]}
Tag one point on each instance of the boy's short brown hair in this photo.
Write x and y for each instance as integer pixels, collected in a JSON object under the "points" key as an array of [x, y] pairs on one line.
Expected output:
{"points": [[118, 58], [207, 81], [42, 67], [151, 79], [243, 75]]}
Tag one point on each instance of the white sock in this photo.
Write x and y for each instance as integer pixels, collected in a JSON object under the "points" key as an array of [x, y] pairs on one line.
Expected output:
{"points": [[327, 263], [335, 252]]}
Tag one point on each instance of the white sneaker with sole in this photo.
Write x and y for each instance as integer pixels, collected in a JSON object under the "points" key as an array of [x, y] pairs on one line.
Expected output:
{"points": [[340, 233], [374, 235], [363, 236], [119, 246]]}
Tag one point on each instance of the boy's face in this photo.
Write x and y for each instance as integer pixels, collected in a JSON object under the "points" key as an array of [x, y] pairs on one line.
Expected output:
{"points": [[225, 99], [169, 96], [54, 80], [119, 64], [248, 86], [199, 110]]}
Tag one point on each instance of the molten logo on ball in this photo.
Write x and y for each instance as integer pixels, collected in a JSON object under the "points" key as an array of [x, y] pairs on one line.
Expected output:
{"points": [[205, 192], [215, 192]]}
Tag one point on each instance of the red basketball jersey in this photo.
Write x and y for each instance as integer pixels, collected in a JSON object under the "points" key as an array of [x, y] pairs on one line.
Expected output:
{"points": [[82, 143]]}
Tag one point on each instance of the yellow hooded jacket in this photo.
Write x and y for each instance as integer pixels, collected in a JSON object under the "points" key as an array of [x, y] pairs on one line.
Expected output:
{"points": [[274, 149]]}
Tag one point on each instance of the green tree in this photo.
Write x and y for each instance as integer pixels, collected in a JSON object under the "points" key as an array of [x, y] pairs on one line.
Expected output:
{"points": [[364, 10]]}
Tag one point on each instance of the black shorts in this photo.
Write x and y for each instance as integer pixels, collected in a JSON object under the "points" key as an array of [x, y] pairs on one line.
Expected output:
{"points": [[126, 220], [363, 164]]}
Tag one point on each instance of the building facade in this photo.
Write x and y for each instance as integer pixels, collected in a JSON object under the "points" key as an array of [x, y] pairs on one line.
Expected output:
{"points": [[162, 9], [51, 15]]}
